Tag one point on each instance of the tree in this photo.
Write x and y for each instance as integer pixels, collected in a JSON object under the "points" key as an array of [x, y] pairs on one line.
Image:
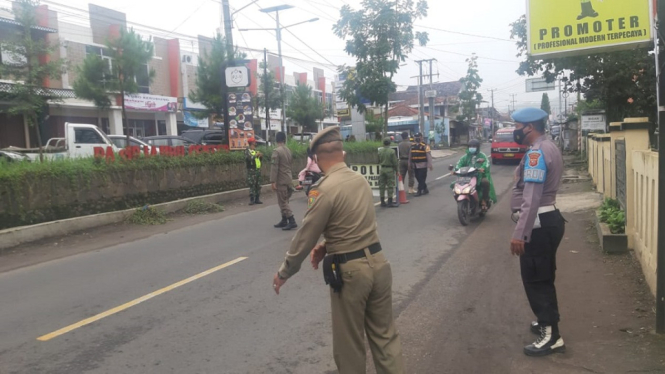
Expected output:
{"points": [[303, 108], [545, 103], [624, 81], [470, 98], [374, 124], [380, 36], [98, 79], [25, 49], [267, 89], [209, 88]]}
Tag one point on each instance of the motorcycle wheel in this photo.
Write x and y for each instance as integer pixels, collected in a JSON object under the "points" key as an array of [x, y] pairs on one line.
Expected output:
{"points": [[463, 212]]}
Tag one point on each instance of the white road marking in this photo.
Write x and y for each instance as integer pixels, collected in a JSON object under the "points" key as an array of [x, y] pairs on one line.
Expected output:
{"points": [[443, 176]]}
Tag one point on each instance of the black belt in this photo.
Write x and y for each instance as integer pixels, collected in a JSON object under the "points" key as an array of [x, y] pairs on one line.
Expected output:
{"points": [[404, 159], [346, 257]]}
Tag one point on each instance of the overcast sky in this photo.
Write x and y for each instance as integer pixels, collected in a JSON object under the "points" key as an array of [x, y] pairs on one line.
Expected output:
{"points": [[491, 18]]}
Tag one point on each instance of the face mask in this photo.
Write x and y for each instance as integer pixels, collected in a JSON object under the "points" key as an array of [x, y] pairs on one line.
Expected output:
{"points": [[473, 150], [519, 136]]}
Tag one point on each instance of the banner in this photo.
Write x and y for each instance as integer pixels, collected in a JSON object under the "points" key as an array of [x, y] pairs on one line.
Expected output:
{"points": [[192, 121], [576, 27], [370, 172], [151, 103], [240, 120]]}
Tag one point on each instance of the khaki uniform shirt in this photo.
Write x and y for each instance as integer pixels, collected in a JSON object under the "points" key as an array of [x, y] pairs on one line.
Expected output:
{"points": [[280, 171], [404, 149], [341, 207], [537, 181]]}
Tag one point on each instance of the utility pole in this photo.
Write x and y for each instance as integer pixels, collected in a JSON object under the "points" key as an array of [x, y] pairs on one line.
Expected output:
{"points": [[421, 102], [513, 100], [228, 29], [492, 114], [660, 256], [431, 99], [265, 91]]}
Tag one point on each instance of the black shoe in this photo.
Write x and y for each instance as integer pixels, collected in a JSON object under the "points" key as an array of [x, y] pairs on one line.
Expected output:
{"points": [[251, 200], [535, 328], [282, 223], [383, 202], [548, 343], [291, 224], [419, 193], [391, 204], [257, 201], [426, 191]]}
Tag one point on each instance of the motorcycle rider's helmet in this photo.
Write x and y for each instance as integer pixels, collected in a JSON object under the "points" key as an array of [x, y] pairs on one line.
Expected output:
{"points": [[386, 141], [474, 146]]}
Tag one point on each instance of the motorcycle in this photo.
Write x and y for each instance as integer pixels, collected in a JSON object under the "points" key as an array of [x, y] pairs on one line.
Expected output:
{"points": [[466, 195], [310, 179]]}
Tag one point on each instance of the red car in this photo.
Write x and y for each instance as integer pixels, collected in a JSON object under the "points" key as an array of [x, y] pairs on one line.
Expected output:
{"points": [[504, 147]]}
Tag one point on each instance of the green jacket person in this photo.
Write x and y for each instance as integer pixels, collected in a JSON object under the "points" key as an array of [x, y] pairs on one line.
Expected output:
{"points": [[389, 166], [474, 157]]}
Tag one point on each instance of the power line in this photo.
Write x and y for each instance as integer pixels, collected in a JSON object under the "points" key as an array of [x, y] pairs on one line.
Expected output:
{"points": [[464, 33], [189, 16]]}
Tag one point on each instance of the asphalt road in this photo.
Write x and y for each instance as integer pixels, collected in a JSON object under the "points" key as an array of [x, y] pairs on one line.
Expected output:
{"points": [[199, 299]]}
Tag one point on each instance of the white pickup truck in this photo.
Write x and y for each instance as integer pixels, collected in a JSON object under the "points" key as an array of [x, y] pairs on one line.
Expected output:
{"points": [[80, 141]]}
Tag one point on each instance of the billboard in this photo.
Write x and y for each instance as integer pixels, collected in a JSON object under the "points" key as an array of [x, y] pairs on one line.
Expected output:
{"points": [[594, 122], [575, 27], [539, 84]]}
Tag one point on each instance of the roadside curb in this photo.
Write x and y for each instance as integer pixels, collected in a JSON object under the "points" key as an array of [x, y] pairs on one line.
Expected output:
{"points": [[15, 236]]}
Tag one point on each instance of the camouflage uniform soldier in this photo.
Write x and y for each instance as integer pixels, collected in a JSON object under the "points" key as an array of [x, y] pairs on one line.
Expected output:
{"points": [[253, 163]]}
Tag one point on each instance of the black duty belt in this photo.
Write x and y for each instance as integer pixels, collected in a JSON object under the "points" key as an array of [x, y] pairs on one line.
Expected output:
{"points": [[346, 257]]}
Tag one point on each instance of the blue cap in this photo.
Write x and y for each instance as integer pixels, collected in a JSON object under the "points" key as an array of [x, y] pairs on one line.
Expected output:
{"points": [[529, 115]]}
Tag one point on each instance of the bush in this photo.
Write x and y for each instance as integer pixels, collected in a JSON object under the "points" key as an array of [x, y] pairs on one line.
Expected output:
{"points": [[147, 215], [613, 216], [202, 207]]}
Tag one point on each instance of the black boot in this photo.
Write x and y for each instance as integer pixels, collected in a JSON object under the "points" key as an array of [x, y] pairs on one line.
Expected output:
{"points": [[257, 201], [425, 191], [391, 204], [251, 199], [282, 223], [291, 225], [383, 202], [419, 193], [549, 342]]}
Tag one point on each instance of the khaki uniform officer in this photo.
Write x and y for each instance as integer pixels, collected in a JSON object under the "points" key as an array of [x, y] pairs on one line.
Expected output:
{"points": [[341, 207], [404, 168], [281, 178]]}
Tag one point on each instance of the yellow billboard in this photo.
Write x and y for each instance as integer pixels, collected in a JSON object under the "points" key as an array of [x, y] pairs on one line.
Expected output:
{"points": [[572, 27]]}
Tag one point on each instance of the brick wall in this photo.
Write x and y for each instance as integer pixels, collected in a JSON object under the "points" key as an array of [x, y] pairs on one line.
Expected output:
{"points": [[161, 84], [75, 56]]}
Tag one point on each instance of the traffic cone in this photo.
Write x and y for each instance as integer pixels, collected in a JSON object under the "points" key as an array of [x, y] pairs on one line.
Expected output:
{"points": [[402, 192]]}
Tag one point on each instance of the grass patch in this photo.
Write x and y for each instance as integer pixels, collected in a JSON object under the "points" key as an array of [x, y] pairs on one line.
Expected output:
{"points": [[147, 215], [202, 207]]}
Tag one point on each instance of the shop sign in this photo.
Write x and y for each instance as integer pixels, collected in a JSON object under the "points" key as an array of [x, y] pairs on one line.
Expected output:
{"points": [[237, 76], [134, 152], [192, 121], [152, 103], [240, 116], [593, 123], [577, 27]]}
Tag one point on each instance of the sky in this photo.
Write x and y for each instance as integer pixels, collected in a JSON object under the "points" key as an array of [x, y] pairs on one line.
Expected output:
{"points": [[489, 19]]}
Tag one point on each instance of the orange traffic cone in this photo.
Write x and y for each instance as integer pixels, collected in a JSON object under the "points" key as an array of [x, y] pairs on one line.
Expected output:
{"points": [[402, 192]]}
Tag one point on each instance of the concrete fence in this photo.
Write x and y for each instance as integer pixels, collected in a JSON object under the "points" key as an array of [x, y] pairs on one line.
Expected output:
{"points": [[623, 167]]}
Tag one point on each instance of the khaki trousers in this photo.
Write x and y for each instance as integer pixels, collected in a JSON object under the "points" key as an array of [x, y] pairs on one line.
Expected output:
{"points": [[364, 306], [284, 193]]}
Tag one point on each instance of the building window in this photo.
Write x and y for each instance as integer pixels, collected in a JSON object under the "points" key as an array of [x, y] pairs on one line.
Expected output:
{"points": [[143, 79]]}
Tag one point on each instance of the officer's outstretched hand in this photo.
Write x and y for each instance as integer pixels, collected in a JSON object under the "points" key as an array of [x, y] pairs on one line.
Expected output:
{"points": [[277, 283], [317, 255], [517, 247]]}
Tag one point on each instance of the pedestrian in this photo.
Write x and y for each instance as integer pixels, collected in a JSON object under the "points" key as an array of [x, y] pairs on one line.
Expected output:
{"points": [[389, 164], [540, 226], [253, 162], [420, 160], [412, 173], [281, 179], [404, 148], [341, 207]]}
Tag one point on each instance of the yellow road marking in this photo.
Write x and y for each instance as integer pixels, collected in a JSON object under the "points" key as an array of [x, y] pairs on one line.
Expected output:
{"points": [[134, 302]]}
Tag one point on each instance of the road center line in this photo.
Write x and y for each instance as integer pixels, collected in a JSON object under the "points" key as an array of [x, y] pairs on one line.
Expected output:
{"points": [[135, 302], [443, 176]]}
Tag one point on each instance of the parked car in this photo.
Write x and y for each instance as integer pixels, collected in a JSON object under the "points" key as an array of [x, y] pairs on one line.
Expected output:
{"points": [[305, 137], [504, 147], [260, 140], [9, 156], [205, 137], [80, 141], [170, 140], [120, 141]]}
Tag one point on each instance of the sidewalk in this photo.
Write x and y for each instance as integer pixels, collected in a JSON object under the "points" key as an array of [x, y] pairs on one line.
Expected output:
{"points": [[472, 316]]}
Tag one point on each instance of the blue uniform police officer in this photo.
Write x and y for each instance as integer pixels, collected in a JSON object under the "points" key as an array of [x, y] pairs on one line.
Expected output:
{"points": [[540, 227]]}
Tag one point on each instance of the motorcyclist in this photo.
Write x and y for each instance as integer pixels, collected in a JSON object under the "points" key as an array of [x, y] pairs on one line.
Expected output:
{"points": [[477, 159], [311, 166]]}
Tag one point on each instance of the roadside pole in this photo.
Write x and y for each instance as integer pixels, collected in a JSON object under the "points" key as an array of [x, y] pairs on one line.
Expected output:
{"points": [[228, 35], [660, 274]]}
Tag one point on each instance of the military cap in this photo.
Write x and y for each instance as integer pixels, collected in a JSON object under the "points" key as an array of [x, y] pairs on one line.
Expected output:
{"points": [[387, 139], [529, 115], [328, 135]]}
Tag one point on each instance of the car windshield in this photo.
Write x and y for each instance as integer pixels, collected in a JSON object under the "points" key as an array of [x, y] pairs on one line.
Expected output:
{"points": [[504, 137]]}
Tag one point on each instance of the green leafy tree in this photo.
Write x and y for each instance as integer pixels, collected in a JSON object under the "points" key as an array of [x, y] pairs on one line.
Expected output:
{"points": [[208, 91], [303, 108], [98, 79], [470, 98], [267, 87], [374, 124], [380, 36], [24, 47], [545, 103], [624, 81]]}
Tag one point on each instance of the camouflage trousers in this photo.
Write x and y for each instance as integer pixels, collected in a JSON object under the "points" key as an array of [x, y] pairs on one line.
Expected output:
{"points": [[254, 182]]}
